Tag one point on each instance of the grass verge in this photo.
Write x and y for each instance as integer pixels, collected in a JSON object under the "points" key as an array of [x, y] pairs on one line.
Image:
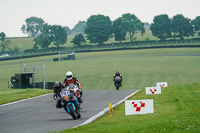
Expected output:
{"points": [[177, 109], [95, 70], [11, 95]]}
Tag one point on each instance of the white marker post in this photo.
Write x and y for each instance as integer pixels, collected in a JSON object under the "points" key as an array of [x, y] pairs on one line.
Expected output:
{"points": [[133, 107], [161, 84], [153, 90]]}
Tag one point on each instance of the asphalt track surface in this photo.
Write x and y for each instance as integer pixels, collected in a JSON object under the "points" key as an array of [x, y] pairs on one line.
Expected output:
{"points": [[39, 115]]}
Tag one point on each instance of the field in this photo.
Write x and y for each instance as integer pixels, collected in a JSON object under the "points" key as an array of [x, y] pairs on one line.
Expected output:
{"points": [[140, 68], [27, 43], [176, 109], [95, 70]]}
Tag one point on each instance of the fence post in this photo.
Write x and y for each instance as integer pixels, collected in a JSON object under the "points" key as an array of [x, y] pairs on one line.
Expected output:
{"points": [[24, 67], [34, 77], [43, 69]]}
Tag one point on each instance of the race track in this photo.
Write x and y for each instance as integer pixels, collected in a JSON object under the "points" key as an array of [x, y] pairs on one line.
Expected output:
{"points": [[39, 115]]}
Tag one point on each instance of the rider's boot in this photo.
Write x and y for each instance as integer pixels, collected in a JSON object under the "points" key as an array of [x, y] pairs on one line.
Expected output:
{"points": [[80, 100], [78, 108], [58, 104]]}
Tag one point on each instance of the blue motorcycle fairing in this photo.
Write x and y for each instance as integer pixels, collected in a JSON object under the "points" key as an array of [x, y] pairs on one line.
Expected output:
{"points": [[72, 106]]}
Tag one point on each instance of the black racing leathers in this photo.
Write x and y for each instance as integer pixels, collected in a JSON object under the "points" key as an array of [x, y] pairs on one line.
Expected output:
{"points": [[117, 81], [56, 96]]}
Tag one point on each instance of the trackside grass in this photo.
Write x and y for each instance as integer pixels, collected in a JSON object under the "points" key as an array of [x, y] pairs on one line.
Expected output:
{"points": [[176, 110], [11, 95], [140, 68]]}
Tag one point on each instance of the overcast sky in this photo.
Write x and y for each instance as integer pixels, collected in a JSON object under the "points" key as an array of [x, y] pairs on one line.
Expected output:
{"points": [[70, 12]]}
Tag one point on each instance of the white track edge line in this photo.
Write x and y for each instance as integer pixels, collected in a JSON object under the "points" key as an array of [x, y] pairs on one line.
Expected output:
{"points": [[105, 110], [24, 100]]}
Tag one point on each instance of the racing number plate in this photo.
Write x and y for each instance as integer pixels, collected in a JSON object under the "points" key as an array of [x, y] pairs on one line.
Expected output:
{"points": [[65, 95]]}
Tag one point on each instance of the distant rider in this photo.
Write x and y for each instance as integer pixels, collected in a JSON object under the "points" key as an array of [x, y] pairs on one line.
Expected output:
{"points": [[56, 93], [70, 79], [117, 78]]}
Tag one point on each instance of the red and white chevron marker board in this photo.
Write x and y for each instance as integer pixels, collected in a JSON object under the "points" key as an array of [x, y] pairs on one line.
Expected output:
{"points": [[161, 84], [153, 90], [133, 107]]}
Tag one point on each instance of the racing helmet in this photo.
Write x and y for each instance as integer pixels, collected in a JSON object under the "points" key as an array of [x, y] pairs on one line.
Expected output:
{"points": [[69, 75], [57, 84], [117, 73]]}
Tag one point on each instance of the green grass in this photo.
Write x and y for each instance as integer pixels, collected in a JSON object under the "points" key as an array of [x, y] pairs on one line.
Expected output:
{"points": [[176, 110], [139, 68], [27, 43], [10, 95]]}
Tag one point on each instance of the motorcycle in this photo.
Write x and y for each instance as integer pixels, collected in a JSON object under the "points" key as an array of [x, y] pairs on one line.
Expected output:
{"points": [[117, 82], [70, 102], [76, 91]]}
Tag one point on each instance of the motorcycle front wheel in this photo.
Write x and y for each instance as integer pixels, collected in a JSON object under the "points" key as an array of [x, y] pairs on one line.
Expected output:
{"points": [[72, 112]]}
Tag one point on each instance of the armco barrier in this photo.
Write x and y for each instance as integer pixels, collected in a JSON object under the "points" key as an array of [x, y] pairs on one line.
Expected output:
{"points": [[48, 85]]}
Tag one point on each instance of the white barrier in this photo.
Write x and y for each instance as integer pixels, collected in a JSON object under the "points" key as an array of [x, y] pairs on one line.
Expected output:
{"points": [[153, 90], [162, 84], [139, 107]]}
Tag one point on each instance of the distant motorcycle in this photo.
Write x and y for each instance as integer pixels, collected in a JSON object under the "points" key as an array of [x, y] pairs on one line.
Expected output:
{"points": [[70, 103], [117, 82]]}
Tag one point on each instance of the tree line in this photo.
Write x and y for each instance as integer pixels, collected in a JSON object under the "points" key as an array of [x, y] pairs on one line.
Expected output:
{"points": [[99, 28]]}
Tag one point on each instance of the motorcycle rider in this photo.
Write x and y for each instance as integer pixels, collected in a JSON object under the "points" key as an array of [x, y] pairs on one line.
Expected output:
{"points": [[117, 78], [70, 79], [56, 93]]}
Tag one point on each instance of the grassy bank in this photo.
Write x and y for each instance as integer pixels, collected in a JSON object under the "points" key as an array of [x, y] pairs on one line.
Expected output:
{"points": [[11, 95], [95, 70], [27, 43], [139, 68], [176, 110]]}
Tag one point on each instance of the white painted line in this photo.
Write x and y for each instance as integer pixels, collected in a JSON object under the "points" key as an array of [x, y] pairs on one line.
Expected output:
{"points": [[105, 110], [24, 100]]}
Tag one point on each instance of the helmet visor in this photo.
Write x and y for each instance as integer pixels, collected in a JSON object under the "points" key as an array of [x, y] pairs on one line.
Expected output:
{"points": [[69, 76]]}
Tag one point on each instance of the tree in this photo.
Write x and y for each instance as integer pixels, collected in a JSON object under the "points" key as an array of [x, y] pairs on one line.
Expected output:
{"points": [[146, 26], [161, 27], [79, 28], [51, 34], [196, 24], [130, 25], [118, 34], [33, 26], [45, 38], [181, 27], [58, 34], [67, 30], [78, 39], [98, 28], [4, 42]]}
